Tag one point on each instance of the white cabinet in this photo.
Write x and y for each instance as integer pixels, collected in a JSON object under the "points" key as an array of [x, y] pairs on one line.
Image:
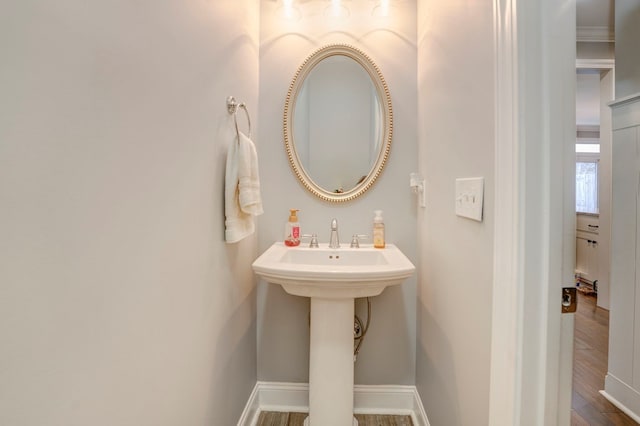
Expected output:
{"points": [[587, 251], [587, 261]]}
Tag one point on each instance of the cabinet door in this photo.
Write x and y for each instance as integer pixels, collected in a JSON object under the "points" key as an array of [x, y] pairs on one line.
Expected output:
{"points": [[582, 257], [594, 261], [587, 257]]}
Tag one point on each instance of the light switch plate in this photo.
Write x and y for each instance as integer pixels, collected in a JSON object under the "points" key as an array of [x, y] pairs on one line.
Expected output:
{"points": [[470, 197]]}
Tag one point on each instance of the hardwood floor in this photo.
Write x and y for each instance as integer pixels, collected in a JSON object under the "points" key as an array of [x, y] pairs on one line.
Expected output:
{"points": [[271, 418], [591, 343]]}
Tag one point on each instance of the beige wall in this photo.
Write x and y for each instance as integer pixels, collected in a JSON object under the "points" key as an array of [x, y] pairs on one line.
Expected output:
{"points": [[593, 50], [456, 134], [120, 304], [627, 59], [388, 352]]}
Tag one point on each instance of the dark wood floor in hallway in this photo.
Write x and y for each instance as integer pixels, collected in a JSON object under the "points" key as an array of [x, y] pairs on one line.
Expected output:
{"points": [[591, 347]]}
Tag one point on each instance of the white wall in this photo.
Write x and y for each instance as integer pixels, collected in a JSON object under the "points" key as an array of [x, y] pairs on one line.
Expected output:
{"points": [[604, 184], [595, 50], [388, 352], [627, 59], [456, 133], [120, 304]]}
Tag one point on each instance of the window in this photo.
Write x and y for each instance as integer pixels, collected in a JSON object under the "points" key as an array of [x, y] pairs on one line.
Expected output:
{"points": [[587, 179]]}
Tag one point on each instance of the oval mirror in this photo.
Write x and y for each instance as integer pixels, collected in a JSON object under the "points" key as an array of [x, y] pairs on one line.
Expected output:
{"points": [[338, 123]]}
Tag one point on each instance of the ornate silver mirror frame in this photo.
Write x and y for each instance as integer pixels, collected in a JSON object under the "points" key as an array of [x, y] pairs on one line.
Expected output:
{"points": [[384, 130]]}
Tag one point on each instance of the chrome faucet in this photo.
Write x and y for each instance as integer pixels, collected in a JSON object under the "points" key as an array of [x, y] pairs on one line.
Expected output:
{"points": [[334, 241]]}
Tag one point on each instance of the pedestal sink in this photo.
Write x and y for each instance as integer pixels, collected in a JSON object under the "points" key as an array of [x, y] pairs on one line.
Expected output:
{"points": [[332, 278]]}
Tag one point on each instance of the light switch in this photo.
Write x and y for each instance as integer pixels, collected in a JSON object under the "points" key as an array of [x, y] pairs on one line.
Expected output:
{"points": [[470, 197]]}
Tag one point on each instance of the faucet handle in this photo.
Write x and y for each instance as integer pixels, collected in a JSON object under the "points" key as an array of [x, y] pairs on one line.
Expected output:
{"points": [[355, 240], [314, 240]]}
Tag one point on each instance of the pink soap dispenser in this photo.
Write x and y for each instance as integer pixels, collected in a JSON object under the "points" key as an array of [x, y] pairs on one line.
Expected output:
{"points": [[292, 229]]}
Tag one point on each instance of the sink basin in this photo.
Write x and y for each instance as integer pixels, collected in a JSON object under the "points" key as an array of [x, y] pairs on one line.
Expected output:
{"points": [[333, 273], [332, 278]]}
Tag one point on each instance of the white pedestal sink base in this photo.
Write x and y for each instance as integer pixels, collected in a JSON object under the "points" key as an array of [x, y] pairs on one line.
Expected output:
{"points": [[332, 278], [306, 422], [331, 363]]}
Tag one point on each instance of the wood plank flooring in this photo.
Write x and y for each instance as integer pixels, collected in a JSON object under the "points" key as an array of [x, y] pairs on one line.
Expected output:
{"points": [[591, 347], [271, 418]]}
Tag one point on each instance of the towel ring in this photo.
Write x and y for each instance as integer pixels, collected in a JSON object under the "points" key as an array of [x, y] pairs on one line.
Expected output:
{"points": [[232, 107]]}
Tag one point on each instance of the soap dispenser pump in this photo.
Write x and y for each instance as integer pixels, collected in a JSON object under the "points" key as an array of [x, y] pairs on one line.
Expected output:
{"points": [[292, 229]]}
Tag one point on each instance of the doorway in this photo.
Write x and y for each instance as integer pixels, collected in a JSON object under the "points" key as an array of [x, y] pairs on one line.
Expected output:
{"points": [[594, 90]]}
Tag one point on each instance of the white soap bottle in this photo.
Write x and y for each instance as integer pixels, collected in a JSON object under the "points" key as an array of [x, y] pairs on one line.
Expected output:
{"points": [[378, 230]]}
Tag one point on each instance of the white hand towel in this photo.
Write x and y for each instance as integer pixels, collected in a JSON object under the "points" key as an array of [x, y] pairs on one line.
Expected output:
{"points": [[248, 179], [242, 166]]}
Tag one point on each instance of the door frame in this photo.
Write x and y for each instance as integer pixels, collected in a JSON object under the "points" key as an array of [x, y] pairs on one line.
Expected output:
{"points": [[534, 242], [606, 67]]}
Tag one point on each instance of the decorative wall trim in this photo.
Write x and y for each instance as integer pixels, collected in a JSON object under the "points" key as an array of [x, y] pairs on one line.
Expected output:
{"points": [[626, 398], [626, 112], [626, 100], [294, 397], [588, 133], [595, 34], [531, 347], [595, 64], [390, 399], [507, 327], [251, 410], [588, 128]]}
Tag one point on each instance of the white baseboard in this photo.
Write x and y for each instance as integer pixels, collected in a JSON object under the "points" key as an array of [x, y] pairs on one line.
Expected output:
{"points": [[622, 396], [294, 397], [251, 410]]}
